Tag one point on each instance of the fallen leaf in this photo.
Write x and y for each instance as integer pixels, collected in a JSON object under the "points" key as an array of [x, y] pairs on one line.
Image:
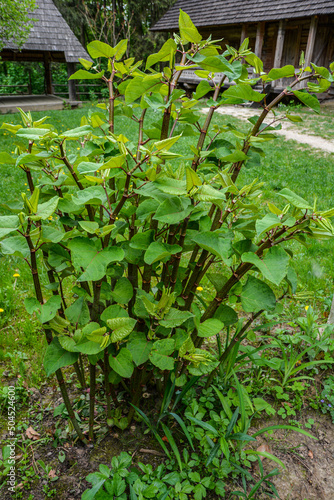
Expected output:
{"points": [[165, 438], [52, 475], [310, 454], [32, 434], [263, 448]]}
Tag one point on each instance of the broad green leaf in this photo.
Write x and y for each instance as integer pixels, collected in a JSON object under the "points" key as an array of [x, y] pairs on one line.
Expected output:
{"points": [[8, 224], [56, 357], [94, 262], [122, 363], [51, 234], [100, 49], [15, 245], [140, 347], [141, 241], [166, 144], [88, 226], [160, 354], [308, 99], [77, 132], [188, 31], [171, 186], [93, 195], [274, 266], [123, 291], [139, 86], [33, 134], [245, 92], [257, 295], [86, 64], [45, 210], [216, 64], [82, 74], [268, 222], [202, 89], [121, 328], [226, 315], [88, 347], [210, 327], [120, 49], [192, 179], [294, 199], [276, 73], [78, 312], [214, 243], [173, 210], [49, 309], [113, 311], [159, 250], [164, 53], [294, 118], [175, 317], [87, 167]]}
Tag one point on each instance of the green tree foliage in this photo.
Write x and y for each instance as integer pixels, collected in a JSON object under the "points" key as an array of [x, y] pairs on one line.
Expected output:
{"points": [[15, 21], [112, 20]]}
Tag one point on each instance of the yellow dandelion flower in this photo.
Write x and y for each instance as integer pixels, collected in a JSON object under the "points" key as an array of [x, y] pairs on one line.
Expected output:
{"points": [[116, 218], [78, 148], [199, 288], [306, 308], [16, 275], [28, 189], [50, 218], [2, 310], [25, 184]]}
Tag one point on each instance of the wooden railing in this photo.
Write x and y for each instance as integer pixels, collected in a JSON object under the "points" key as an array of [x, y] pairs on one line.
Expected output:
{"points": [[81, 89], [15, 86]]}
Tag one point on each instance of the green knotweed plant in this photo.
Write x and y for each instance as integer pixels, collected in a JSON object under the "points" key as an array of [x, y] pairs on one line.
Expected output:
{"points": [[119, 231]]}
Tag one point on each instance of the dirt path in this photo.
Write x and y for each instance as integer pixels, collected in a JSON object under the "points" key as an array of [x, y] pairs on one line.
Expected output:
{"points": [[288, 129]]}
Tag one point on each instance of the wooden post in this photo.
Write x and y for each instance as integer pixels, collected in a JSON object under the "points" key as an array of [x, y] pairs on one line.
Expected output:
{"points": [[279, 44], [244, 31], [71, 83], [310, 46], [279, 50], [259, 39], [311, 40], [47, 75]]}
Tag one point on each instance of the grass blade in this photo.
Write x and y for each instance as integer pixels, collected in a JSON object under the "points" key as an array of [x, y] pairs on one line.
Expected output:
{"points": [[172, 443], [266, 455], [288, 427], [185, 389], [152, 429], [184, 428], [232, 423], [213, 454], [204, 425]]}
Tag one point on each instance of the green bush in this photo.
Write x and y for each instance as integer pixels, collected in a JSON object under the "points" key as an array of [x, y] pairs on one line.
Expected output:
{"points": [[126, 228]]}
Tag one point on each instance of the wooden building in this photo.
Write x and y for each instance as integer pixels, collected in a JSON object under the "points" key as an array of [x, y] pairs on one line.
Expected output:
{"points": [[278, 31], [50, 40]]}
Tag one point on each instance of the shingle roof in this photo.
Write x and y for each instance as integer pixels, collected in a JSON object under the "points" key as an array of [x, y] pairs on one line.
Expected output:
{"points": [[51, 33], [218, 12]]}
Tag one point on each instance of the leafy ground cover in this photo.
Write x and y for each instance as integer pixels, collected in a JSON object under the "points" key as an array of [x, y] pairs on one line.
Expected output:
{"points": [[214, 430]]}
